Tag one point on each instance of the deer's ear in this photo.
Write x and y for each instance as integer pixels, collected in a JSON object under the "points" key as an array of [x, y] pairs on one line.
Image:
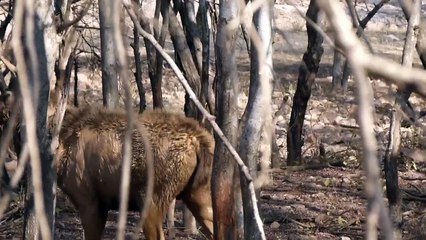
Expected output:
{"points": [[8, 98]]}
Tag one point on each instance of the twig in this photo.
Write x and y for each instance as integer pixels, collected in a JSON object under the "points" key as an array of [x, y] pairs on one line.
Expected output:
{"points": [[8, 64], [317, 28], [193, 97], [392, 72], [120, 55], [64, 25], [355, 53]]}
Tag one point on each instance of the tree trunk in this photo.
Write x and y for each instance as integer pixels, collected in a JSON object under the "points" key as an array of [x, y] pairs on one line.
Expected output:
{"points": [[156, 81], [192, 32], [338, 65], [40, 45], [307, 72], [188, 66], [109, 72], [138, 72], [155, 70], [393, 149], [76, 82], [226, 116], [206, 89], [258, 109]]}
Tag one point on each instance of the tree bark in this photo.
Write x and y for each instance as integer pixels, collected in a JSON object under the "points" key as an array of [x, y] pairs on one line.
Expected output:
{"points": [[258, 109], [109, 72], [226, 106], [188, 66], [192, 32], [138, 72], [155, 69], [307, 72], [207, 95], [40, 45], [393, 149]]}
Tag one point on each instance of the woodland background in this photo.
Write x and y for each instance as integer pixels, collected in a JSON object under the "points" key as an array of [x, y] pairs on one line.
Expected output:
{"points": [[316, 193]]}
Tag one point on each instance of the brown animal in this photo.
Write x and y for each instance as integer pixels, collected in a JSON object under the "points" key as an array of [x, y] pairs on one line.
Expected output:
{"points": [[89, 167], [89, 161]]}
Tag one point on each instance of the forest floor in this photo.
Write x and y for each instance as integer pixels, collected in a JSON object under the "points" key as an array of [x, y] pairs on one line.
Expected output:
{"points": [[323, 203]]}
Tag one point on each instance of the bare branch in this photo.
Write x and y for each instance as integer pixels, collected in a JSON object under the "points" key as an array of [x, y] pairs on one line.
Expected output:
{"points": [[8, 64], [355, 53], [65, 25], [120, 54], [121, 58]]}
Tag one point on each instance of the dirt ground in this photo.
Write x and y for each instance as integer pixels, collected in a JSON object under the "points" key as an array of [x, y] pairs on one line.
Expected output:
{"points": [[325, 203]]}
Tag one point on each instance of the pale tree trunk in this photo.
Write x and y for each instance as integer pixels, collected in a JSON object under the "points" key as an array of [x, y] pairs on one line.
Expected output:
{"points": [[36, 63], [226, 112], [109, 72], [259, 112]]}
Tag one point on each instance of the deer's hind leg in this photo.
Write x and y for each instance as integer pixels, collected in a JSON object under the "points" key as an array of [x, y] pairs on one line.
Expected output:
{"points": [[199, 202], [153, 225], [93, 219]]}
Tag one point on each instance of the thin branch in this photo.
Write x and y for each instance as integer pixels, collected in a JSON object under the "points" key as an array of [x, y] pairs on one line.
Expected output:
{"points": [[121, 57], [392, 72], [317, 28], [8, 63], [71, 43], [354, 53], [65, 25]]}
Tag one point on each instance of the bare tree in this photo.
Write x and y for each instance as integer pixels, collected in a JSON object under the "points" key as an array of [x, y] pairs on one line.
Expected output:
{"points": [[307, 71], [258, 110], [109, 72], [341, 70], [155, 61], [226, 113], [401, 102]]}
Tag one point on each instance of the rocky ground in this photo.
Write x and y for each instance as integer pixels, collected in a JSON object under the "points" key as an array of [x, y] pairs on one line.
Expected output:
{"points": [[326, 203]]}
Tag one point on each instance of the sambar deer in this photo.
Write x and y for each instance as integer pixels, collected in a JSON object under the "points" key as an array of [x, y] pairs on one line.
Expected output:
{"points": [[89, 162]]}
